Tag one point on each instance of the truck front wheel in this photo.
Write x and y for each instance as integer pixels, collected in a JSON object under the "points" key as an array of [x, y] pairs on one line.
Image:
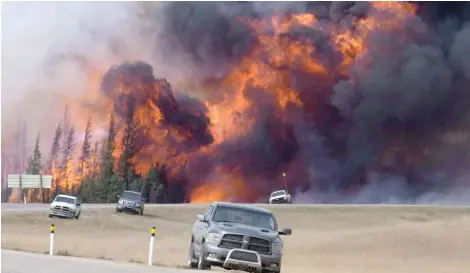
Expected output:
{"points": [[191, 259], [201, 263]]}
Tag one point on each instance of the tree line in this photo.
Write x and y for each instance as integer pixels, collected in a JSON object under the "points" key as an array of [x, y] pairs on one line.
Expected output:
{"points": [[98, 177]]}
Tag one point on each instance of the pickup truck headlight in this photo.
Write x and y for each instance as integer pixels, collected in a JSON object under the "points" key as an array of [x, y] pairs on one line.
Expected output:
{"points": [[213, 238], [276, 248]]}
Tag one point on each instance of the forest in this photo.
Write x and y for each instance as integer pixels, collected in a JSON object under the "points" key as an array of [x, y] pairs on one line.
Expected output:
{"points": [[100, 173]]}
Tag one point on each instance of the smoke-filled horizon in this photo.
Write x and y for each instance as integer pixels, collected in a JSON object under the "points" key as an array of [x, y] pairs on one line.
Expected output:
{"points": [[358, 102]]}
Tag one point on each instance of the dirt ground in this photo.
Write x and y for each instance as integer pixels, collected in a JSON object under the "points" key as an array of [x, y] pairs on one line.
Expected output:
{"points": [[325, 238]]}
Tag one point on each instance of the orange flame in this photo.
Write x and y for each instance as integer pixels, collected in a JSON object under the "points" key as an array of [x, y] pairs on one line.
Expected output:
{"points": [[267, 68], [269, 65], [386, 16], [226, 187]]}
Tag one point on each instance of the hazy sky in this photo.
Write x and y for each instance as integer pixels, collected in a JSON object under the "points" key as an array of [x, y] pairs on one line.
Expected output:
{"points": [[35, 34]]}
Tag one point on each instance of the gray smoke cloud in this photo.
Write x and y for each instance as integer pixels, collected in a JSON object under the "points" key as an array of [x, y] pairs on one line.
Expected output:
{"points": [[47, 51], [383, 132], [382, 142]]}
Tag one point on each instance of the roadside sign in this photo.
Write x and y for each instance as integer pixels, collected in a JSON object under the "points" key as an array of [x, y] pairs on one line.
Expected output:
{"points": [[24, 181]]}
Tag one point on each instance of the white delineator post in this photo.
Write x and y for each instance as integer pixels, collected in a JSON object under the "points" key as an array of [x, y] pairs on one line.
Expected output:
{"points": [[51, 243], [152, 241]]}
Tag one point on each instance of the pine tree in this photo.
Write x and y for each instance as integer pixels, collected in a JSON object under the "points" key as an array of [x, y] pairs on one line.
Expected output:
{"points": [[107, 151], [34, 167], [161, 184], [52, 164], [65, 133], [151, 182], [53, 156], [86, 151], [95, 162], [90, 189], [69, 147], [34, 161], [126, 162]]}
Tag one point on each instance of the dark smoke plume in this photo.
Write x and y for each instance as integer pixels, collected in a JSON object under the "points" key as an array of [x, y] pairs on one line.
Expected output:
{"points": [[385, 130], [136, 81]]}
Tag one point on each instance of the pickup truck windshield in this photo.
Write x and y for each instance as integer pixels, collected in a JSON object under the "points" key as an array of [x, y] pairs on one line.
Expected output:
{"points": [[277, 193], [245, 217], [131, 195], [64, 199]]}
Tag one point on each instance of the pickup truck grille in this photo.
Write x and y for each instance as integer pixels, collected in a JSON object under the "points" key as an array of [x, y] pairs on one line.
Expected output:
{"points": [[232, 241], [61, 208], [259, 245], [280, 200], [244, 256], [262, 246]]}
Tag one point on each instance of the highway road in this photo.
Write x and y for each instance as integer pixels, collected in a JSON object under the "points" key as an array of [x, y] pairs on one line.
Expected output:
{"points": [[24, 262], [14, 207], [372, 239]]}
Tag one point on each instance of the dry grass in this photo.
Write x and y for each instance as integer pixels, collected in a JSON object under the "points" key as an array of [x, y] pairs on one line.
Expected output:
{"points": [[325, 238]]}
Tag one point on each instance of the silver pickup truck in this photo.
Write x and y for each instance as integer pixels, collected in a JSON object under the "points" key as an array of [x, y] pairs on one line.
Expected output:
{"points": [[235, 236]]}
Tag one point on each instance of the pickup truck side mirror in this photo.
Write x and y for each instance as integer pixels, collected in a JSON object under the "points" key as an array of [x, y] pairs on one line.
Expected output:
{"points": [[200, 217], [285, 231]]}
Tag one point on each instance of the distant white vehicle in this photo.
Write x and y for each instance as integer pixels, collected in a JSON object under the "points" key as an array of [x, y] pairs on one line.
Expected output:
{"points": [[280, 197], [66, 206]]}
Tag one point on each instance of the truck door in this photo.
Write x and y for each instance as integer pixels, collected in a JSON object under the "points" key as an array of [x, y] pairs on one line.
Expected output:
{"points": [[201, 228]]}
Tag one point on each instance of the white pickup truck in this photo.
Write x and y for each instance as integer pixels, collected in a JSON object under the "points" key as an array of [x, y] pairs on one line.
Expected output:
{"points": [[280, 197], [66, 206]]}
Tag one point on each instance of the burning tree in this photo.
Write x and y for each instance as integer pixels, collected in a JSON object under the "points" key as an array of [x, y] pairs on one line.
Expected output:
{"points": [[129, 145], [67, 165], [342, 100], [52, 165], [34, 161], [34, 167], [85, 155]]}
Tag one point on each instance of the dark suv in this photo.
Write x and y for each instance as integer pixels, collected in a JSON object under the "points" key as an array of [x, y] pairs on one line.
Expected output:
{"points": [[131, 201]]}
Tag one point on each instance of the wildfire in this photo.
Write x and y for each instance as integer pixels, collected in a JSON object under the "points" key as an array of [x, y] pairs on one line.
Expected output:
{"points": [[173, 132], [386, 16], [226, 187], [269, 67]]}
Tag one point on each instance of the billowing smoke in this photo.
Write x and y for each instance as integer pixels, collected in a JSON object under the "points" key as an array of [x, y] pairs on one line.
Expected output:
{"points": [[355, 101], [376, 127], [133, 86]]}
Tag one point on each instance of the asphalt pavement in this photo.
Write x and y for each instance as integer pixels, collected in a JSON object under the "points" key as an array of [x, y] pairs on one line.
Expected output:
{"points": [[24, 262], [14, 207]]}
